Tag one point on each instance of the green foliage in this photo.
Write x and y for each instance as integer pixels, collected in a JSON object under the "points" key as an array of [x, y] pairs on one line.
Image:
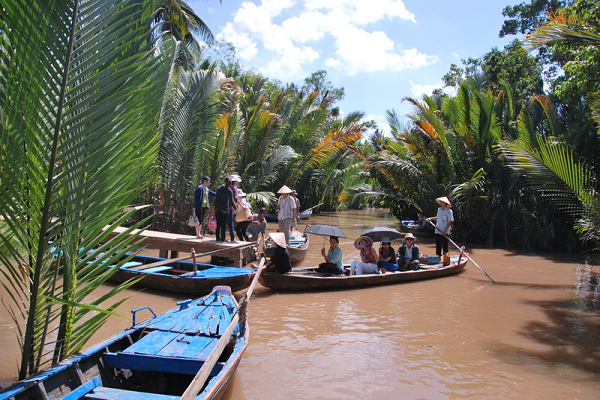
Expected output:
{"points": [[76, 141]]}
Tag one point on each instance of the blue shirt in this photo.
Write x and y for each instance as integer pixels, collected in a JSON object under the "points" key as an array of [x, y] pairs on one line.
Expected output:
{"points": [[335, 255]]}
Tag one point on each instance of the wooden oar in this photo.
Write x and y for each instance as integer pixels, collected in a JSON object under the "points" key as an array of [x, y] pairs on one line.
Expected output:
{"points": [[465, 254], [198, 382], [209, 253]]}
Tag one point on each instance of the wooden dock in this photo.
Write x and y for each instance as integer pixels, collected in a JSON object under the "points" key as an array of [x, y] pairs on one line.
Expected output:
{"points": [[239, 254]]}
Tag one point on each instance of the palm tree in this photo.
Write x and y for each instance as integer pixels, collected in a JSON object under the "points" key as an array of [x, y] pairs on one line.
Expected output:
{"points": [[80, 88]]}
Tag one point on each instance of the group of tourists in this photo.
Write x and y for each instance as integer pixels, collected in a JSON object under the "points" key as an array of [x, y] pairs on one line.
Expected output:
{"points": [[231, 210], [230, 204]]}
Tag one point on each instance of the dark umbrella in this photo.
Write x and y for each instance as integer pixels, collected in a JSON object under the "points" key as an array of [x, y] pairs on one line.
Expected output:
{"points": [[326, 230], [379, 232]]}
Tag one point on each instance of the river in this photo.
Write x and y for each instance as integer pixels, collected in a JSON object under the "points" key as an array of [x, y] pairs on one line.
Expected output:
{"points": [[531, 335]]}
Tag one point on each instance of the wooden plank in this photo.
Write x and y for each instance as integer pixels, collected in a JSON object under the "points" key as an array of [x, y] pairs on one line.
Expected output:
{"points": [[106, 393], [213, 323], [83, 389], [187, 346], [142, 362], [151, 343]]}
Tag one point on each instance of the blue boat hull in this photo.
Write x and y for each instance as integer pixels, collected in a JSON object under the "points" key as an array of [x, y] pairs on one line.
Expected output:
{"points": [[180, 277], [154, 360]]}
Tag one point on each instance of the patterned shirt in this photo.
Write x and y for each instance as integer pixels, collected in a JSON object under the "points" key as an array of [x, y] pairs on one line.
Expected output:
{"points": [[286, 207]]}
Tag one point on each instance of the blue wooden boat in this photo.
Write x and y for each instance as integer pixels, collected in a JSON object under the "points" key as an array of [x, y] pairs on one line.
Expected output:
{"points": [[182, 276], [303, 215], [412, 226], [156, 359]]}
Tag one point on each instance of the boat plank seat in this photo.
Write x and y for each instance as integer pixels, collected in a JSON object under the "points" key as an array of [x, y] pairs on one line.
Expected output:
{"points": [[164, 351], [82, 390], [106, 393], [130, 264], [158, 269]]}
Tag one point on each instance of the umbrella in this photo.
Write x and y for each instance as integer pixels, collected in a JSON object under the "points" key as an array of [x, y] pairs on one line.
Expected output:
{"points": [[326, 230], [379, 232]]}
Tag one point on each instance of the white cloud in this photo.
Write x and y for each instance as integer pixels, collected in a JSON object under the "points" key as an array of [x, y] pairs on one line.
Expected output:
{"points": [[419, 90], [282, 47]]}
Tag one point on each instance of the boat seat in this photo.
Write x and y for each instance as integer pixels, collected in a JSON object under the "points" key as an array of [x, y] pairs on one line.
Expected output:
{"points": [[105, 393], [131, 264], [82, 390], [158, 269], [165, 352]]}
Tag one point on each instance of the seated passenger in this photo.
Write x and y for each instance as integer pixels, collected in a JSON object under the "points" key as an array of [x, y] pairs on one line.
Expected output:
{"points": [[333, 260], [280, 262], [387, 256], [368, 257], [422, 221], [408, 254]]}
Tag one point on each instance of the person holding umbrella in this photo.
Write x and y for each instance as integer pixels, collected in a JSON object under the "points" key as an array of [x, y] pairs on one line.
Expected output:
{"points": [[443, 225], [368, 257], [333, 260], [387, 256]]}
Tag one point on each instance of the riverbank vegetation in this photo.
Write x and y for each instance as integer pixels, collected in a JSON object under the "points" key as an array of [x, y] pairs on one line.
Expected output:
{"points": [[126, 108]]}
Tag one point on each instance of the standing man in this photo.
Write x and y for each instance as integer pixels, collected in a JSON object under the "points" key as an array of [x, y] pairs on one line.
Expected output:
{"points": [[223, 203], [443, 225], [201, 203], [285, 215], [296, 215], [258, 226]]}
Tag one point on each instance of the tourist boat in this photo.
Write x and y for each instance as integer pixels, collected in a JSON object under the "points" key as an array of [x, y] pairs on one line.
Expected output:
{"points": [[409, 225], [298, 245], [182, 276], [309, 279], [156, 359]]}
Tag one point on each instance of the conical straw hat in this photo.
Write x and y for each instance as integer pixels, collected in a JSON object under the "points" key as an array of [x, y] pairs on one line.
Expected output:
{"points": [[279, 238], [284, 189], [441, 200]]}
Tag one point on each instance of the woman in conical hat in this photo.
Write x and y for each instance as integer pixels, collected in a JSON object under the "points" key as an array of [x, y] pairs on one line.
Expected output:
{"points": [[368, 257], [443, 225], [281, 257]]}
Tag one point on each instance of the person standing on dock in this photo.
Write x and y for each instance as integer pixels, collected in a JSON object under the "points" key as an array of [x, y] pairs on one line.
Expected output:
{"points": [[201, 203], [285, 215], [443, 225], [223, 203], [234, 179]]}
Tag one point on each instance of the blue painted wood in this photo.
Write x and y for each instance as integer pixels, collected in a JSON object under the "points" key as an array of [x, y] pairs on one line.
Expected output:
{"points": [[141, 362], [186, 346], [151, 343], [80, 391], [157, 269], [105, 393]]}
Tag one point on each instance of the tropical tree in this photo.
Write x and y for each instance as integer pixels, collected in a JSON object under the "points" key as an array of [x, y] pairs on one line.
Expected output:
{"points": [[81, 82]]}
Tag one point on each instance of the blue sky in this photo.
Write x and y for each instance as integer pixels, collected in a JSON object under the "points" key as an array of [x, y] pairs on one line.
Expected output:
{"points": [[380, 51]]}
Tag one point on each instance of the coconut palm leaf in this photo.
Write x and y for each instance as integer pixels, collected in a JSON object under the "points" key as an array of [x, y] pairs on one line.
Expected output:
{"points": [[559, 28], [81, 82]]}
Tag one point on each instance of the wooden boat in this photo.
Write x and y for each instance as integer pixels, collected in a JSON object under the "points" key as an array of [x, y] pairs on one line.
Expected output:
{"points": [[308, 279], [409, 225], [154, 360], [303, 215], [298, 245], [181, 277]]}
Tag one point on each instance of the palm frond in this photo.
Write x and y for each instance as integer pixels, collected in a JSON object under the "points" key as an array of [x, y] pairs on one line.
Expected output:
{"points": [[77, 144]]}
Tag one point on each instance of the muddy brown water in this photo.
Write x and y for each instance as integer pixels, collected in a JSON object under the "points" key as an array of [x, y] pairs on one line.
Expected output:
{"points": [[535, 334]]}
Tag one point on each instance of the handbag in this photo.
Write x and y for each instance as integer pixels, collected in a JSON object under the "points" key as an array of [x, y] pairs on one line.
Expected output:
{"points": [[212, 221], [243, 214], [193, 220]]}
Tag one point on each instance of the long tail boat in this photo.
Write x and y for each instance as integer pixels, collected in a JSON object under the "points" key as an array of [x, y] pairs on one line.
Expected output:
{"points": [[308, 279]]}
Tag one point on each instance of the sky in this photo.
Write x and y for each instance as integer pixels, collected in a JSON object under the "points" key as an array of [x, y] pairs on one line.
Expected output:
{"points": [[379, 51]]}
